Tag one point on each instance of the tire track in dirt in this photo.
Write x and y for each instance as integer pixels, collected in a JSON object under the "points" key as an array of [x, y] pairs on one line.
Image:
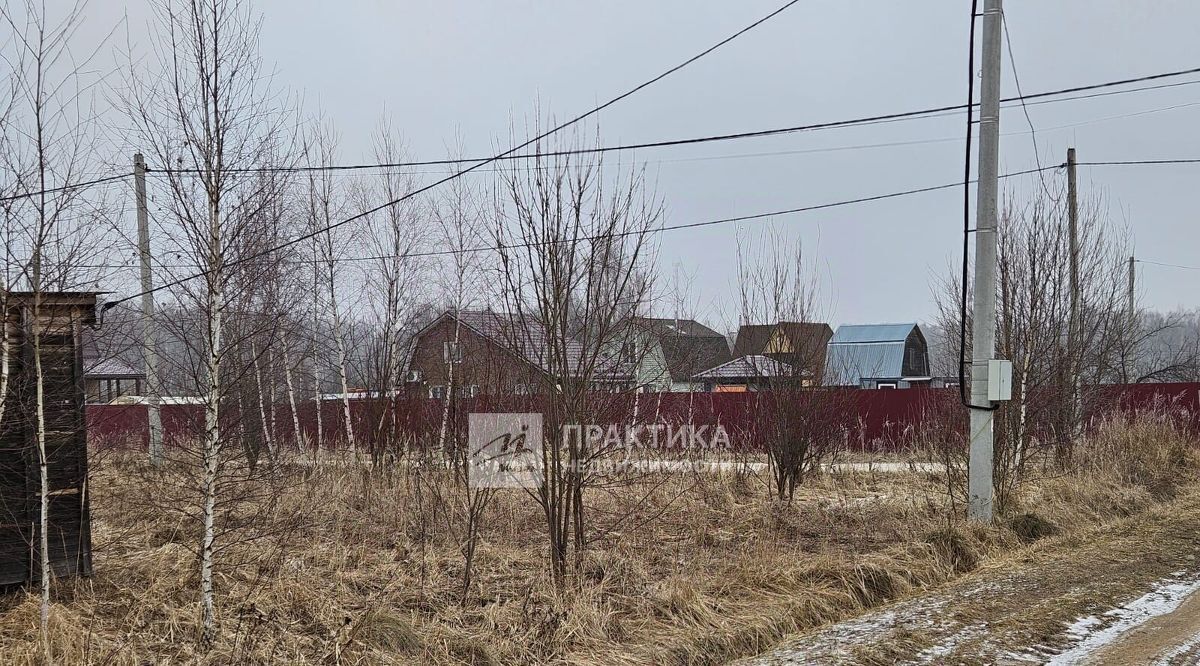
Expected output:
{"points": [[1018, 611], [1172, 639]]}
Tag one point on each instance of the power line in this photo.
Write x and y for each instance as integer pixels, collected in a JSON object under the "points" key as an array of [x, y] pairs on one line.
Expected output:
{"points": [[654, 230], [966, 235], [1160, 263], [938, 112], [1108, 93], [1187, 160], [932, 112], [489, 160], [1012, 60], [64, 188], [890, 195], [809, 151]]}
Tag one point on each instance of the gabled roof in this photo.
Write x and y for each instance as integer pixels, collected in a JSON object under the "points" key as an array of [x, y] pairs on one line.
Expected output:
{"points": [[110, 368], [747, 367], [527, 339], [98, 365], [688, 346], [674, 326], [860, 333], [752, 339], [859, 351]]}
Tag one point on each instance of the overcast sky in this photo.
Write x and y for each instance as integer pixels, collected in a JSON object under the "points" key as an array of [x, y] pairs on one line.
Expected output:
{"points": [[468, 67]]}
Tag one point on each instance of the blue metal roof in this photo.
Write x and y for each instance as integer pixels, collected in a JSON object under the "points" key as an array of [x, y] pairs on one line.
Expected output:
{"points": [[847, 364], [871, 351], [860, 333]]}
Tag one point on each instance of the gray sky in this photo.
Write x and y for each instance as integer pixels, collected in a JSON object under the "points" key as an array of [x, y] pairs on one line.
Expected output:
{"points": [[438, 68]]}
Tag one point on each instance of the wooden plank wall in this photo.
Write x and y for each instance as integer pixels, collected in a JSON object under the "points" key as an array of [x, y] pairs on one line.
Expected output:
{"points": [[61, 318]]}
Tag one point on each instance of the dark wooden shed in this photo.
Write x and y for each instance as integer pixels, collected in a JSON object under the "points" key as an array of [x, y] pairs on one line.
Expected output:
{"points": [[61, 317]]}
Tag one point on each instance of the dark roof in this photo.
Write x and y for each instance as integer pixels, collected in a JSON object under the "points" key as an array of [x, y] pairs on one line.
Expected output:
{"points": [[752, 339], [808, 340], [675, 326], [110, 368], [97, 364], [688, 346], [747, 367], [527, 339]]}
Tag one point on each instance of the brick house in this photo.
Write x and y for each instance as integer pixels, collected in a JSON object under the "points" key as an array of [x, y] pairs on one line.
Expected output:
{"points": [[492, 353]]}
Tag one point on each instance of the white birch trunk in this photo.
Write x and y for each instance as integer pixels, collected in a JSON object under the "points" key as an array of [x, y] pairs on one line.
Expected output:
{"points": [[449, 391], [262, 404], [291, 394], [316, 364], [341, 362], [317, 401], [271, 396], [212, 432], [43, 473]]}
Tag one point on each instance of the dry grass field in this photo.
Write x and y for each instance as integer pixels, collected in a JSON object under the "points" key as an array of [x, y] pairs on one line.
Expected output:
{"points": [[344, 564]]}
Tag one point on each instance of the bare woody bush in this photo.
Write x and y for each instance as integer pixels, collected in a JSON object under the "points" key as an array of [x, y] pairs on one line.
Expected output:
{"points": [[571, 238], [805, 422]]}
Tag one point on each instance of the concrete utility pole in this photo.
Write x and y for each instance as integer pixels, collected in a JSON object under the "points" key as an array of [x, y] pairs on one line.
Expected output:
{"points": [[983, 331], [1131, 301], [1073, 326], [1130, 318], [149, 337]]}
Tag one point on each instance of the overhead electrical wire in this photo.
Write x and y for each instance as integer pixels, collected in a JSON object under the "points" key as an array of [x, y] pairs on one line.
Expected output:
{"points": [[1012, 61], [650, 231], [64, 188], [1183, 160], [484, 162], [1045, 97], [966, 246], [1166, 265]]}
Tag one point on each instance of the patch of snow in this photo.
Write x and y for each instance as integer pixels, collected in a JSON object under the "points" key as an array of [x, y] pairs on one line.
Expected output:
{"points": [[1185, 648], [1091, 633], [936, 654]]}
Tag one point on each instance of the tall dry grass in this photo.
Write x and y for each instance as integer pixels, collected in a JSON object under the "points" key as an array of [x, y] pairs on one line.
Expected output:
{"points": [[349, 565]]}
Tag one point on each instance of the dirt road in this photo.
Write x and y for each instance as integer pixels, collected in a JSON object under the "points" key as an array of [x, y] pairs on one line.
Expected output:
{"points": [[1128, 593], [1171, 639]]}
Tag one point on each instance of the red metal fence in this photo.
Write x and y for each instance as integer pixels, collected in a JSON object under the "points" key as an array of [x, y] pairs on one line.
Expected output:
{"points": [[872, 419]]}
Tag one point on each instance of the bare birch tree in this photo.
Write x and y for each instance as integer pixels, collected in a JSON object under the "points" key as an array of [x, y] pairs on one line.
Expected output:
{"points": [[49, 137], [326, 200], [207, 108]]}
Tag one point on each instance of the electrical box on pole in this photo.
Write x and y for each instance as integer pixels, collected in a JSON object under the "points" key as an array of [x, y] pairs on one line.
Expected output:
{"points": [[999, 380]]}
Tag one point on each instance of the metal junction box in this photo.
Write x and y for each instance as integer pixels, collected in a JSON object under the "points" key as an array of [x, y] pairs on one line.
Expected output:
{"points": [[999, 380]]}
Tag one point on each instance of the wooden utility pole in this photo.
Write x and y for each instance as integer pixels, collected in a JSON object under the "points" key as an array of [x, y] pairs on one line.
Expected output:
{"points": [[983, 331], [1073, 325], [149, 338]]}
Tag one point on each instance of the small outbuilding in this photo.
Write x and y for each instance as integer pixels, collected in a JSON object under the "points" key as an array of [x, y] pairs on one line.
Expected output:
{"points": [[878, 356], [60, 318]]}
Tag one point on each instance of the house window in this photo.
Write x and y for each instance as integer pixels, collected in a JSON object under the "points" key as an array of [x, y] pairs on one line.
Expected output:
{"points": [[522, 389], [473, 390], [452, 352], [437, 392]]}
